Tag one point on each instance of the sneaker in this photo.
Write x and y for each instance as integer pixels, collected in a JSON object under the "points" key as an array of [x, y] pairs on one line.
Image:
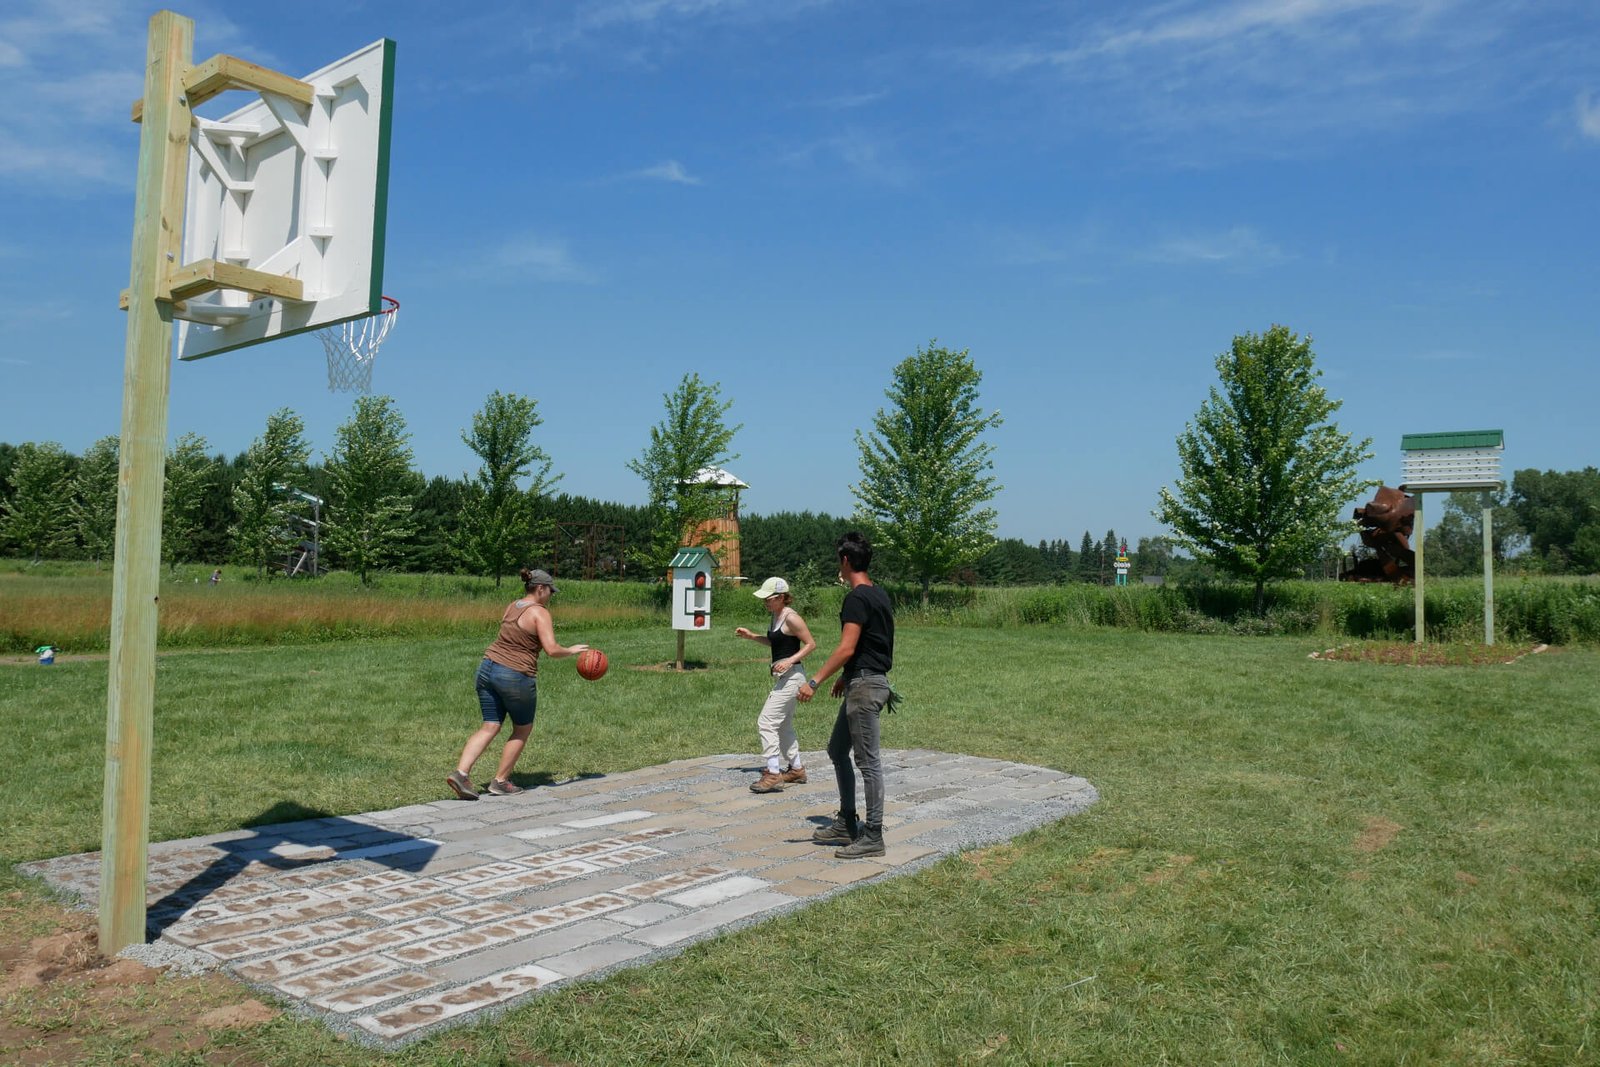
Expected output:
{"points": [[870, 843], [794, 776], [767, 783], [504, 787], [462, 785], [841, 831]]}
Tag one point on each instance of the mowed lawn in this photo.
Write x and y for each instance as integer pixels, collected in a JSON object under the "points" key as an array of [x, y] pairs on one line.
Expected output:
{"points": [[1292, 861]]}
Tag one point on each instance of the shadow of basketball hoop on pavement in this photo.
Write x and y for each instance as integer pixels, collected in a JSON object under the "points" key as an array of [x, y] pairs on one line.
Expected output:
{"points": [[288, 838]]}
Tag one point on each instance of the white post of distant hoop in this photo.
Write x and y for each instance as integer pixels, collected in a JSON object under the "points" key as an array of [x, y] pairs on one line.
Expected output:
{"points": [[1488, 571]]}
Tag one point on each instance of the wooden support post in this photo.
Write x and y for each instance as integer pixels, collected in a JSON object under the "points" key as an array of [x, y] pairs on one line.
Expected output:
{"points": [[680, 650], [1488, 571], [136, 572], [1418, 536]]}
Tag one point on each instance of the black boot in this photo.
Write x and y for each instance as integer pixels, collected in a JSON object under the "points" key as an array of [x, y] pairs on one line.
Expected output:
{"points": [[870, 843], [841, 831]]}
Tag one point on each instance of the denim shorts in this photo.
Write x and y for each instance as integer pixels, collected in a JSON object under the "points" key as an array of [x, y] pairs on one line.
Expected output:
{"points": [[504, 692]]}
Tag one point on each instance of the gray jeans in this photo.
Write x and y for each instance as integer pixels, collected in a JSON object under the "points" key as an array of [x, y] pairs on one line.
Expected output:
{"points": [[855, 733]]}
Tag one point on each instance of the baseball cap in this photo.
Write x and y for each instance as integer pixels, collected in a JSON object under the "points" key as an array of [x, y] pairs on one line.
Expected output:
{"points": [[541, 578], [772, 587]]}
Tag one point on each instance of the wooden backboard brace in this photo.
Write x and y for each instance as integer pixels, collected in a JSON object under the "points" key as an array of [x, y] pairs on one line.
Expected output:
{"points": [[285, 203]]}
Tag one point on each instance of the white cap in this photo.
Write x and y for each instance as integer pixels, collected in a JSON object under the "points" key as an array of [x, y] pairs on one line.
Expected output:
{"points": [[772, 587]]}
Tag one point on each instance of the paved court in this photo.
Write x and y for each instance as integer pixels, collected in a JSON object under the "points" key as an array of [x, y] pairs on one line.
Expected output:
{"points": [[395, 923]]}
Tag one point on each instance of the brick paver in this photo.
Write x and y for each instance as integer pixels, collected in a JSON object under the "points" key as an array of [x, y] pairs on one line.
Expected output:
{"points": [[396, 923]]}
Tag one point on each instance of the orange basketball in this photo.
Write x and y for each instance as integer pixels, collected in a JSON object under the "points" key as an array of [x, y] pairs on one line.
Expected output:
{"points": [[592, 663]]}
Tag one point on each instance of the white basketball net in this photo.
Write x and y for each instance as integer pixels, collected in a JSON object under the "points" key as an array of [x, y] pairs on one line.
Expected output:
{"points": [[352, 348]]}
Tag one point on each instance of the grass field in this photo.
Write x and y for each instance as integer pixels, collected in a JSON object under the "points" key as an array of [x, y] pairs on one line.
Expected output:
{"points": [[1293, 861]]}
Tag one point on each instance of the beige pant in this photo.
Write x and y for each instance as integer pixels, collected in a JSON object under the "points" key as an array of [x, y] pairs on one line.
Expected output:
{"points": [[776, 723]]}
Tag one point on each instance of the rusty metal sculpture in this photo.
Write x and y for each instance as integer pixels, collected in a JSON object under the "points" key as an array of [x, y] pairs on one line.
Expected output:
{"points": [[1386, 529]]}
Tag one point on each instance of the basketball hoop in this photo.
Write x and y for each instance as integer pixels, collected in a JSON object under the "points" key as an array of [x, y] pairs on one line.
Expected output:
{"points": [[353, 346]]}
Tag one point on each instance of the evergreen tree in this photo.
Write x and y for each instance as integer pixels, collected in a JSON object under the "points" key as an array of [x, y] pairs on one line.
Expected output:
{"points": [[436, 513], [1088, 560], [924, 480], [371, 488], [1266, 479], [35, 519], [269, 518], [94, 499]]}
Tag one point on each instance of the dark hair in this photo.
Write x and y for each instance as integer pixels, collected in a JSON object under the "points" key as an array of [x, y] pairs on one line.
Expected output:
{"points": [[527, 579], [855, 549]]}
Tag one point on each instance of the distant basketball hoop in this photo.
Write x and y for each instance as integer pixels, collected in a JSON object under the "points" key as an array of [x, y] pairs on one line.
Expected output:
{"points": [[352, 348]]}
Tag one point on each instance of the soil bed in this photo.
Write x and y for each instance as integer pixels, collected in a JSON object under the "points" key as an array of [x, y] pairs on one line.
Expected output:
{"points": [[1410, 654]]}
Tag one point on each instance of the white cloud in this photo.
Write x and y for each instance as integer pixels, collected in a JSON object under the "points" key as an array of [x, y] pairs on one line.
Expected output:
{"points": [[1207, 81], [1240, 246], [863, 154], [850, 101], [1588, 114], [541, 258], [669, 171]]}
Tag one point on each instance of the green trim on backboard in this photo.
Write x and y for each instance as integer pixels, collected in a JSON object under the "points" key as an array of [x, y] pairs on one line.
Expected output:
{"points": [[1454, 439], [380, 206]]}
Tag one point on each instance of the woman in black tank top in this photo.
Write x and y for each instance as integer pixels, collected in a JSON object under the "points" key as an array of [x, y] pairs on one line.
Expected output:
{"points": [[789, 638]]}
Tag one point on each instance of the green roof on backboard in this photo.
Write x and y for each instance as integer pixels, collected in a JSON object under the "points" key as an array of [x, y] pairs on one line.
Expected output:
{"points": [[693, 557], [1454, 439]]}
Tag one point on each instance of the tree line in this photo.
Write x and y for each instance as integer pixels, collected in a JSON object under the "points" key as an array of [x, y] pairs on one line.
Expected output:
{"points": [[1266, 485]]}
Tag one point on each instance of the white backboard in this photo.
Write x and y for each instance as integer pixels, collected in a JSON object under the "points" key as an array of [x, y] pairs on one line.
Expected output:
{"points": [[293, 190]]}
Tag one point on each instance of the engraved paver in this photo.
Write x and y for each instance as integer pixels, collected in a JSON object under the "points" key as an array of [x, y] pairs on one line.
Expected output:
{"points": [[395, 923]]}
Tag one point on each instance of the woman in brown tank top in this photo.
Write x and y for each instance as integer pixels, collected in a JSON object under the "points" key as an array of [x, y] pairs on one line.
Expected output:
{"points": [[507, 684]]}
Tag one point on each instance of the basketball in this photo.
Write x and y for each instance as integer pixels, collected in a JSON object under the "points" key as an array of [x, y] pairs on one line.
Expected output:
{"points": [[592, 663]]}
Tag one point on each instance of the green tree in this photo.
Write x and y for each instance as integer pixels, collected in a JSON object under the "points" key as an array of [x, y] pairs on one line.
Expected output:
{"points": [[1153, 556], [268, 517], [1266, 478], [1560, 512], [1455, 545], [924, 468], [692, 437], [497, 517], [35, 518], [437, 512], [371, 488], [189, 475], [94, 499], [1088, 569]]}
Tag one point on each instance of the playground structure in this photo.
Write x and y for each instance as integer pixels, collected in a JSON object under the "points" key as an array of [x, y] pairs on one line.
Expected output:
{"points": [[589, 550]]}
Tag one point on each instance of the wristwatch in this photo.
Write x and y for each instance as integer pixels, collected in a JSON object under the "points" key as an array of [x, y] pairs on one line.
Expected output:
{"points": [[813, 683]]}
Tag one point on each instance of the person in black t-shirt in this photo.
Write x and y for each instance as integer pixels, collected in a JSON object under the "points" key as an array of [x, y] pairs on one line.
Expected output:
{"points": [[866, 654]]}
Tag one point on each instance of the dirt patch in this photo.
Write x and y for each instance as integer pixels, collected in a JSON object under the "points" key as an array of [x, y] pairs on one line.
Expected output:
{"points": [[1379, 832], [238, 1016], [1410, 654], [988, 862], [671, 667], [1168, 871], [63, 1002]]}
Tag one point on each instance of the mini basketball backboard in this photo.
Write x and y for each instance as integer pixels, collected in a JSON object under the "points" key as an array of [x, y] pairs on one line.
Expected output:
{"points": [[295, 189]]}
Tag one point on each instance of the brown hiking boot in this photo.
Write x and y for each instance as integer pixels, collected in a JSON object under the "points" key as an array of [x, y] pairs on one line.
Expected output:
{"points": [[794, 776], [767, 783]]}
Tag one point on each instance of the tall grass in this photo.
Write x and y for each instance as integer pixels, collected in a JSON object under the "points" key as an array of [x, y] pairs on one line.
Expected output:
{"points": [[69, 606], [73, 612]]}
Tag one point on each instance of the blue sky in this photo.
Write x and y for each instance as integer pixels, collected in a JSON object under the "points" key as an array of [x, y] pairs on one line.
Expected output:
{"points": [[590, 199]]}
